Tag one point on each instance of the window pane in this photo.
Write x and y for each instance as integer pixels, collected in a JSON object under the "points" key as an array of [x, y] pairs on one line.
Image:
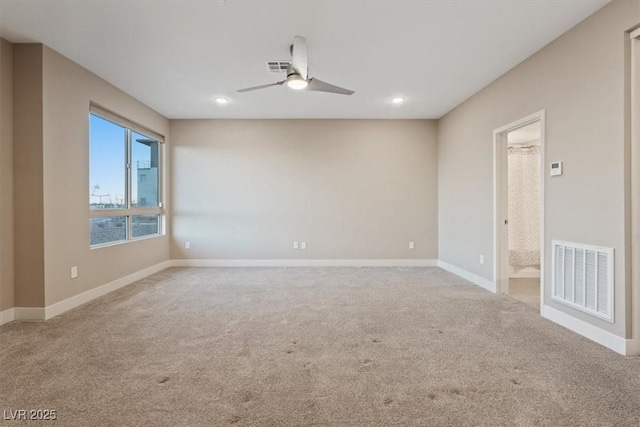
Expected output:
{"points": [[108, 229], [144, 179], [107, 164], [145, 225]]}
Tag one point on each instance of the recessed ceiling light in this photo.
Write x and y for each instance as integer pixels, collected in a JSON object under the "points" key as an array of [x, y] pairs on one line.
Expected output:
{"points": [[221, 100], [397, 100]]}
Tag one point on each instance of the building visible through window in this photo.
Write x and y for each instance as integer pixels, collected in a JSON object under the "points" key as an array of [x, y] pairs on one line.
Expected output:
{"points": [[124, 178]]}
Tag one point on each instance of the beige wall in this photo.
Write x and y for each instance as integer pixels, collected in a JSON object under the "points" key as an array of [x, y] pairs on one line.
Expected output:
{"points": [[28, 175], [6, 175], [247, 189], [68, 91], [51, 144], [580, 80]]}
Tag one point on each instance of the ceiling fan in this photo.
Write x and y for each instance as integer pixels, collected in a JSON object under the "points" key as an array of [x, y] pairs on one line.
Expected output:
{"points": [[297, 73]]}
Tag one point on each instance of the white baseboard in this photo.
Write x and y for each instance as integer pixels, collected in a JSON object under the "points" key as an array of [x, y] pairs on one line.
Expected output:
{"points": [[304, 263], [83, 298], [602, 337], [633, 347], [7, 316], [473, 278], [28, 313]]}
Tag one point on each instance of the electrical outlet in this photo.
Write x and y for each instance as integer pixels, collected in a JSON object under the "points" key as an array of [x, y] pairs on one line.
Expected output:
{"points": [[187, 245], [74, 272], [295, 245], [303, 245], [481, 259], [412, 245]]}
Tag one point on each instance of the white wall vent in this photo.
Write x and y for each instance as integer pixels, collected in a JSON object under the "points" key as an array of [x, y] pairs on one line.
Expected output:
{"points": [[582, 277], [278, 66]]}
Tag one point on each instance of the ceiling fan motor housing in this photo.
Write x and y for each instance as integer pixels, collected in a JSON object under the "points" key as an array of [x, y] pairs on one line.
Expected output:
{"points": [[292, 71]]}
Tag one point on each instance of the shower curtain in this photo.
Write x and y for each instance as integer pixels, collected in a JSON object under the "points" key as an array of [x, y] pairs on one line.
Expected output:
{"points": [[524, 206]]}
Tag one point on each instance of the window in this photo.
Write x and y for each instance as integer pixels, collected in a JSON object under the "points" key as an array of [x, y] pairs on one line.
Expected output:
{"points": [[124, 179]]}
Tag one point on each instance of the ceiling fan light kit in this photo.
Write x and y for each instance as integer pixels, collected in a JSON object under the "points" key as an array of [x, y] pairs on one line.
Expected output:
{"points": [[297, 74], [295, 81]]}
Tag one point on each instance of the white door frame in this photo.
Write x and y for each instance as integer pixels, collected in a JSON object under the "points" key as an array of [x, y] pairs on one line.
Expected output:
{"points": [[633, 344], [500, 197]]}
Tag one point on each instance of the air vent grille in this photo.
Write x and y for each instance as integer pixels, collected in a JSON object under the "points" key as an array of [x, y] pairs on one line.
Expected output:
{"points": [[278, 66], [583, 278]]}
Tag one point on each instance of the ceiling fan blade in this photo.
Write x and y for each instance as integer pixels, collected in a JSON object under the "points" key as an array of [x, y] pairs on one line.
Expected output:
{"points": [[249, 89], [299, 54], [320, 86]]}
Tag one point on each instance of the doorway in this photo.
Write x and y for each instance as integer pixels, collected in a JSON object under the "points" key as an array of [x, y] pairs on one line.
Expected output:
{"points": [[519, 219], [633, 344]]}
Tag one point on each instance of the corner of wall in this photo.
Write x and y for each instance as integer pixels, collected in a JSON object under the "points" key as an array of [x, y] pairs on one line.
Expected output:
{"points": [[7, 281], [28, 175]]}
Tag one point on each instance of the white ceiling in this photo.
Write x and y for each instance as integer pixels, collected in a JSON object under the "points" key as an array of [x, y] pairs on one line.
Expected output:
{"points": [[176, 55]]}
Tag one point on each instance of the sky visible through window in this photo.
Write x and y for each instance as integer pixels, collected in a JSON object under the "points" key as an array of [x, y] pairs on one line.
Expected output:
{"points": [[107, 160]]}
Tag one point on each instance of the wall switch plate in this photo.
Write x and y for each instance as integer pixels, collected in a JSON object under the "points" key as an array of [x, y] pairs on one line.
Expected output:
{"points": [[74, 272], [187, 245], [481, 259], [295, 245], [412, 245], [303, 245]]}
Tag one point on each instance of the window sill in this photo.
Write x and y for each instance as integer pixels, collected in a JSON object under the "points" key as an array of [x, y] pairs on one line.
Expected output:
{"points": [[124, 242]]}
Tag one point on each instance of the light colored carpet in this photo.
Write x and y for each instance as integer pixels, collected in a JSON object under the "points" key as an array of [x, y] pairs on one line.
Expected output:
{"points": [[312, 347], [526, 291]]}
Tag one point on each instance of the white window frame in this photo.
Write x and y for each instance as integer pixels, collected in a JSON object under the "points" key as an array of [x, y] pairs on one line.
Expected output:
{"points": [[129, 211]]}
